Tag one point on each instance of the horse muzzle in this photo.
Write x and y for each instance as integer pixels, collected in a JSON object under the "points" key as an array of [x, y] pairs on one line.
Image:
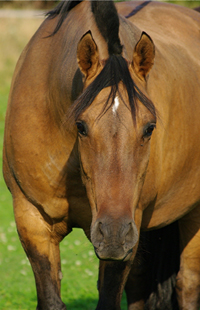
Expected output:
{"points": [[114, 239]]}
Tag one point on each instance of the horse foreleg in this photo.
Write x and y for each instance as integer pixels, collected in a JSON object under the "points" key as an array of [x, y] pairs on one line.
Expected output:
{"points": [[188, 278], [136, 284], [41, 244], [112, 278], [150, 284]]}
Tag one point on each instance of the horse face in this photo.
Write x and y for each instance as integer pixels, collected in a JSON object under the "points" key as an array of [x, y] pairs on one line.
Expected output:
{"points": [[114, 153]]}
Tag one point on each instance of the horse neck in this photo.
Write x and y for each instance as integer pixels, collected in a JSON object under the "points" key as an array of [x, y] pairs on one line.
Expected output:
{"points": [[129, 35]]}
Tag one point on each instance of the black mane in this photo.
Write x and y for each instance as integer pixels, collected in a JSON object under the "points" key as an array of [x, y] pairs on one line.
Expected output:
{"points": [[138, 8], [62, 9], [115, 71], [107, 21], [106, 18]]}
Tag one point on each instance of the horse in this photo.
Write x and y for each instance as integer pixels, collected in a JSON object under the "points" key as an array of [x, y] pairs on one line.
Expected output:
{"points": [[101, 133]]}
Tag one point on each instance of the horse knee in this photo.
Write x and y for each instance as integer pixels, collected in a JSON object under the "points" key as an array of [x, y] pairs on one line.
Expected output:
{"points": [[188, 289], [188, 278]]}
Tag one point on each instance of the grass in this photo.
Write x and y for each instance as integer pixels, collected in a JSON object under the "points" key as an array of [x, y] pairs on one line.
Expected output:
{"points": [[189, 4], [79, 264]]}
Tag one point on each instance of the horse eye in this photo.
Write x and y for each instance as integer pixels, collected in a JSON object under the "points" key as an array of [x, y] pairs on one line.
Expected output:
{"points": [[149, 130], [81, 128]]}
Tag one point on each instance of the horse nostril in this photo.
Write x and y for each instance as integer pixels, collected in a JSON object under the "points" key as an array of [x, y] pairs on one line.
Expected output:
{"points": [[114, 240], [129, 234], [132, 235], [100, 228], [99, 233]]}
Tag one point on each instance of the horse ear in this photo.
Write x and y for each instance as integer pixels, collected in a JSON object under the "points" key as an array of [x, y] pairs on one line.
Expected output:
{"points": [[143, 56], [87, 55]]}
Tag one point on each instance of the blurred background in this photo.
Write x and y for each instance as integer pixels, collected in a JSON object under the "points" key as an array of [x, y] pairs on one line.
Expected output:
{"points": [[46, 4], [18, 22]]}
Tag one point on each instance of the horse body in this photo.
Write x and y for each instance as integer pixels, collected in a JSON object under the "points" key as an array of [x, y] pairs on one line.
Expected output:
{"points": [[111, 180], [175, 177]]}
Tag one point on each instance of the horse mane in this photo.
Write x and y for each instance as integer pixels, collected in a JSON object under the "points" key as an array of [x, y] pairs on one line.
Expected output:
{"points": [[107, 21], [138, 8], [62, 9], [115, 69]]}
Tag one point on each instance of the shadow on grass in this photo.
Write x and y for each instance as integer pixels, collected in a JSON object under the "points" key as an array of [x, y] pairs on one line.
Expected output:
{"points": [[82, 304], [89, 304]]}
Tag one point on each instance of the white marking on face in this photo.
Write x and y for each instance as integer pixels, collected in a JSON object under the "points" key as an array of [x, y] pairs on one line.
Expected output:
{"points": [[115, 105]]}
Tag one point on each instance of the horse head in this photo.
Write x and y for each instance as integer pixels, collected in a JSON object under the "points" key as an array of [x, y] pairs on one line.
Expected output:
{"points": [[115, 121]]}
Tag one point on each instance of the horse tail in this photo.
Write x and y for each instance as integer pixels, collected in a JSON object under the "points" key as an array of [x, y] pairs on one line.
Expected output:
{"points": [[107, 21], [163, 258]]}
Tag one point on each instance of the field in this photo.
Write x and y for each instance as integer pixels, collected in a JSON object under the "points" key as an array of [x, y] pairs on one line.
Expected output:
{"points": [[79, 264]]}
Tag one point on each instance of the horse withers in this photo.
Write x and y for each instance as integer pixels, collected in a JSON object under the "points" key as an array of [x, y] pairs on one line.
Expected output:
{"points": [[101, 133]]}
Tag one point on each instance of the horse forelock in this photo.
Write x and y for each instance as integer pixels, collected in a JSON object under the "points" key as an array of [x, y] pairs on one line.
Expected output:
{"points": [[115, 71]]}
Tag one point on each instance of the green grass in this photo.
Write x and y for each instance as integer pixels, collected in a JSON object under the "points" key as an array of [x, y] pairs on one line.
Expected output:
{"points": [[189, 4]]}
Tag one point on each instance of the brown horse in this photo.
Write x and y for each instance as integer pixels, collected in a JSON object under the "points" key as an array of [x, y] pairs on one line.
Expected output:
{"points": [[101, 133]]}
